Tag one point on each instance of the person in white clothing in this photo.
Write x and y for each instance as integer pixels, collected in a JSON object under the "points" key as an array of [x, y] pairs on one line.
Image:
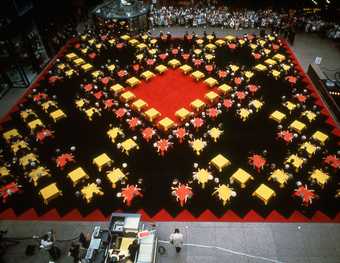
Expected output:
{"points": [[176, 239]]}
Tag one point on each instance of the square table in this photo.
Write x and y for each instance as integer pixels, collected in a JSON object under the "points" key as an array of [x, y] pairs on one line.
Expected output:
{"points": [[139, 104], [57, 115], [186, 68], [264, 193], [209, 57], [319, 177], [111, 67], [279, 176], [197, 75], [151, 114], [10, 134], [295, 160], [141, 46], [34, 124], [279, 57], [129, 145], [86, 67], [211, 82], [166, 123], [241, 176], [133, 81], [277, 116], [101, 161], [210, 47], [230, 37], [309, 148], [219, 161], [220, 42], [133, 42], [79, 61], [27, 159], [125, 37], [161, 69], [98, 46], [50, 192], [89, 191], [211, 96], [61, 66], [197, 104], [97, 74], [297, 126], [270, 61], [261, 67], [199, 41], [113, 133], [71, 56], [115, 176], [147, 75], [117, 89], [77, 175], [153, 41], [182, 114], [320, 137], [112, 41], [224, 88], [127, 96], [253, 46], [197, 51], [174, 63]]}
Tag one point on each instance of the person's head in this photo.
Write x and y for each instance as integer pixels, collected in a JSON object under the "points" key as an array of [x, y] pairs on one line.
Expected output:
{"points": [[45, 237], [176, 230]]}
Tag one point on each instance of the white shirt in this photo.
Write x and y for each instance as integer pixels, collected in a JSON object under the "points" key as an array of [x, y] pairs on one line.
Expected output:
{"points": [[45, 244], [177, 239]]}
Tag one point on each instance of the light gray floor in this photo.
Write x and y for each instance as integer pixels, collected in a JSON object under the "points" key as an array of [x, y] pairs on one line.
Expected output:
{"points": [[282, 242], [243, 242]]}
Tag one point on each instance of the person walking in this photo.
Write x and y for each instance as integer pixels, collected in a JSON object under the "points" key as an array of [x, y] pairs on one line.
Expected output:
{"points": [[74, 252], [47, 243], [176, 239]]}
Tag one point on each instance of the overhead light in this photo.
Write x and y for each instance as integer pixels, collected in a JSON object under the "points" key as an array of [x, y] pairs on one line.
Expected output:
{"points": [[315, 3], [328, 1]]}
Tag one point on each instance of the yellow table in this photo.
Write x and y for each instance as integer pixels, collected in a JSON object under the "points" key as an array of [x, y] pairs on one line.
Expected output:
{"points": [[253, 46], [234, 68], [277, 116], [320, 137], [33, 124], [147, 75], [98, 46], [203, 176], [261, 67], [50, 192], [152, 51], [89, 191], [230, 38], [199, 41], [91, 111], [77, 175], [69, 73], [129, 145], [61, 66], [24, 114], [57, 115], [139, 57], [125, 37], [309, 148], [267, 51], [127, 96], [286, 67], [224, 88], [220, 42], [241, 41], [84, 50], [101, 161], [215, 133], [279, 57], [117, 89], [210, 47], [37, 173], [15, 147], [166, 123], [279, 176], [262, 42], [132, 81], [290, 106], [256, 104], [211, 96], [86, 67], [153, 41], [319, 177], [113, 133], [197, 75], [276, 74], [112, 41], [80, 103], [264, 193], [71, 56], [79, 61], [242, 177], [161, 69], [27, 159], [198, 51], [197, 104], [96, 74], [91, 41], [295, 160], [186, 68], [219, 161], [248, 74], [198, 145], [297, 126], [139, 105], [4, 171], [211, 82], [111, 67], [182, 114], [311, 116], [151, 114], [133, 42], [174, 63], [209, 57], [48, 104], [270, 61], [114, 176]]}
